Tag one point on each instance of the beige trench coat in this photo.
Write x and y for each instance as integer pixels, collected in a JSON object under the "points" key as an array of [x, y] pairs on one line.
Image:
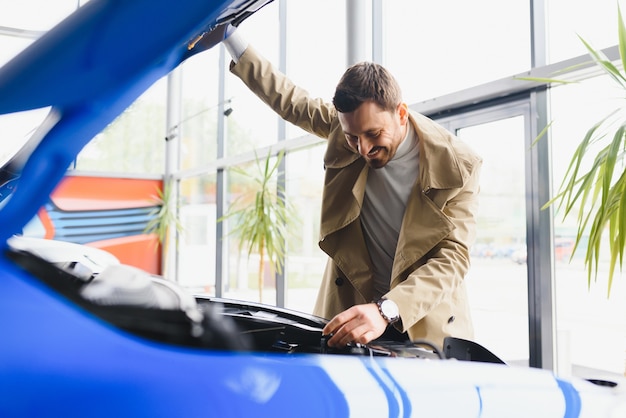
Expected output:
{"points": [[438, 229]]}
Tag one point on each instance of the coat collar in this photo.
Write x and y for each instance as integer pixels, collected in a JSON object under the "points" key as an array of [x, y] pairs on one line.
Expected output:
{"points": [[344, 188], [445, 173], [439, 166], [346, 172]]}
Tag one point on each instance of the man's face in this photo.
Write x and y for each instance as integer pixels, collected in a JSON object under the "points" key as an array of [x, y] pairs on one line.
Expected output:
{"points": [[375, 133]]}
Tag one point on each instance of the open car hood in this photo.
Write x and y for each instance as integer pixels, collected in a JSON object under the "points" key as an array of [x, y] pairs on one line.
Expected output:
{"points": [[88, 69], [111, 340]]}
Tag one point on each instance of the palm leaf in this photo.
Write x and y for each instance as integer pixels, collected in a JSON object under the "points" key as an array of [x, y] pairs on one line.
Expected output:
{"points": [[162, 217], [599, 192], [262, 225]]}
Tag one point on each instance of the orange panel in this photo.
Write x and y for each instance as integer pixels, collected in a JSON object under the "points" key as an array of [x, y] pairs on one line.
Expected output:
{"points": [[141, 251], [47, 224], [75, 193]]}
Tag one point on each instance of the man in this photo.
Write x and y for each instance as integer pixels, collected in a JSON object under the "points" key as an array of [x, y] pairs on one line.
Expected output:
{"points": [[398, 209]]}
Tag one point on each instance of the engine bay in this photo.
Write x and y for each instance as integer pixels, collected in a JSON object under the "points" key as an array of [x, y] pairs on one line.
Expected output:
{"points": [[150, 307]]}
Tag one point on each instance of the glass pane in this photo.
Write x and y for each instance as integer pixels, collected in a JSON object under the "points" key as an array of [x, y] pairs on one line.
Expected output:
{"points": [[10, 46], [21, 15], [319, 82], [497, 281], [305, 260], [37, 15], [201, 108], [134, 142], [196, 246], [596, 21], [17, 128], [591, 327], [247, 277], [254, 123], [438, 47]]}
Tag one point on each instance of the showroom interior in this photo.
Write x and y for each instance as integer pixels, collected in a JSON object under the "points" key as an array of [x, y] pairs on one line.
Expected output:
{"points": [[478, 68]]}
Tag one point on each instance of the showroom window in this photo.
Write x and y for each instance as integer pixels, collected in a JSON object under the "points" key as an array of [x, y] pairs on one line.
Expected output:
{"points": [[591, 323], [134, 143], [438, 47], [253, 125], [595, 21]]}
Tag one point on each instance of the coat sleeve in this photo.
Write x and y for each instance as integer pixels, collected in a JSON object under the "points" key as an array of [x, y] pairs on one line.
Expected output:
{"points": [[291, 102], [435, 280]]}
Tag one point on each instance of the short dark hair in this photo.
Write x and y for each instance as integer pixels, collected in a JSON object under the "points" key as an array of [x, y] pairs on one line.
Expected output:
{"points": [[367, 81]]}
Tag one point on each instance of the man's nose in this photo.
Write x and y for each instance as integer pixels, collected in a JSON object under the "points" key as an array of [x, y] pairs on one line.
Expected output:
{"points": [[364, 146]]}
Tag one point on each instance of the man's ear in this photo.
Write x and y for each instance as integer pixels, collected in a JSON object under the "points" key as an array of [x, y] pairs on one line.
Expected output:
{"points": [[403, 112]]}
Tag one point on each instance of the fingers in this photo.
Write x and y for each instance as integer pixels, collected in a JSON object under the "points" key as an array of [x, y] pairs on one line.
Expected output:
{"points": [[208, 40], [361, 334], [358, 324], [337, 322]]}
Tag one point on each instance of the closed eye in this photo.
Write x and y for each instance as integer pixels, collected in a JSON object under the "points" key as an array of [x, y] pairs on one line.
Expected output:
{"points": [[373, 134]]}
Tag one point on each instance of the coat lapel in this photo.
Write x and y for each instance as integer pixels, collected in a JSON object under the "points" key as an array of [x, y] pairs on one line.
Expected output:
{"points": [[439, 167], [424, 224], [341, 236], [343, 197]]}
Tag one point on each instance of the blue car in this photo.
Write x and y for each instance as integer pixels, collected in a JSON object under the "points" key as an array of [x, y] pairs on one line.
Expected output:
{"points": [[110, 340]]}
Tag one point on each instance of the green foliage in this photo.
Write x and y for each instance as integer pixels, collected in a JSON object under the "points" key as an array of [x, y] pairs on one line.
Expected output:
{"points": [[600, 192], [164, 215], [133, 143], [261, 216]]}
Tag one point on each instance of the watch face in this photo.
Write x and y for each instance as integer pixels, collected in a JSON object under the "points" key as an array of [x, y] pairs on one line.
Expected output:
{"points": [[389, 309]]}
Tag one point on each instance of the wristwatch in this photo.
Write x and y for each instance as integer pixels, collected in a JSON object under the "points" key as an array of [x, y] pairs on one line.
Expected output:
{"points": [[388, 309]]}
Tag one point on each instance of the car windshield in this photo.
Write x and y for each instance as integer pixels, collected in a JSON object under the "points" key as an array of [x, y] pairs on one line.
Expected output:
{"points": [[17, 128]]}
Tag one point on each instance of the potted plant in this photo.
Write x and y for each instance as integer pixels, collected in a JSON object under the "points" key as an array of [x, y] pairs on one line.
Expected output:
{"points": [[261, 215], [163, 217], [599, 192]]}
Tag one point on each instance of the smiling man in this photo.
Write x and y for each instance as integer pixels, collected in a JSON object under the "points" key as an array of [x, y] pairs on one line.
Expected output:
{"points": [[398, 210]]}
